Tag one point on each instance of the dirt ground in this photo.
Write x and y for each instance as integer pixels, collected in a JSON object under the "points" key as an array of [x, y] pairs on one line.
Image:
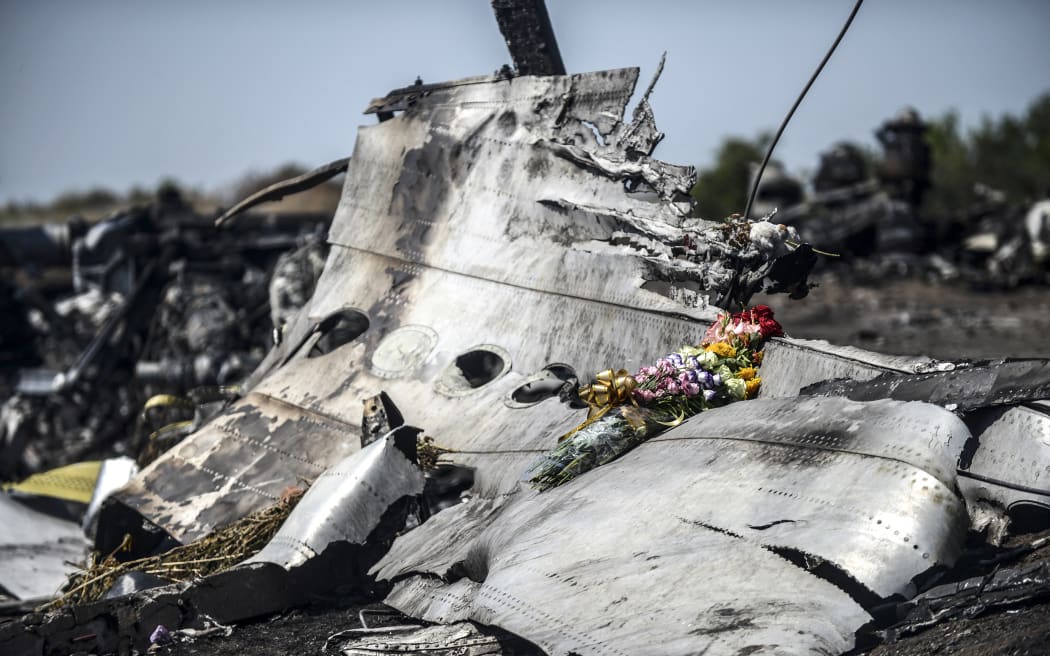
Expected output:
{"points": [[914, 317]]}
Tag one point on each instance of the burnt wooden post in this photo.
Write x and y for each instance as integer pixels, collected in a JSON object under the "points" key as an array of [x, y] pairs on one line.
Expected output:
{"points": [[526, 27]]}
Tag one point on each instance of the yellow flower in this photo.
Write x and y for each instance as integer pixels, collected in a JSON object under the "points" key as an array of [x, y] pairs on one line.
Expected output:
{"points": [[747, 373], [757, 358], [722, 350], [752, 388]]}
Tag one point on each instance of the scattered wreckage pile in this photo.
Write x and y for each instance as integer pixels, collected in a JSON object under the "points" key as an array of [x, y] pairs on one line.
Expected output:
{"points": [[500, 241], [873, 215], [153, 300]]}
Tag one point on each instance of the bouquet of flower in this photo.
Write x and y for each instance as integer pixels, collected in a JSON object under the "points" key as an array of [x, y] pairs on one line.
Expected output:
{"points": [[626, 410], [597, 442]]}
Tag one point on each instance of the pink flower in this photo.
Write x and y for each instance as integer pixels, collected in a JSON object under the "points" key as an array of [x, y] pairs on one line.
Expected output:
{"points": [[645, 396], [690, 389], [714, 333]]}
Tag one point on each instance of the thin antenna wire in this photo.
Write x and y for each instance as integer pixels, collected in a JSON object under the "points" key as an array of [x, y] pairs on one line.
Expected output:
{"points": [[798, 101]]}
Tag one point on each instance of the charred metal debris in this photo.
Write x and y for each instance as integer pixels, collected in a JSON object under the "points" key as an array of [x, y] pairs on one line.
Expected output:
{"points": [[500, 239], [153, 300]]}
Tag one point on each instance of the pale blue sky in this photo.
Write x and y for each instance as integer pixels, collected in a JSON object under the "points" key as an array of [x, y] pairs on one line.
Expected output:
{"points": [[124, 92]]}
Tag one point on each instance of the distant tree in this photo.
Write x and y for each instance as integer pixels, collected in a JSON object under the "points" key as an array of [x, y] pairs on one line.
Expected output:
{"points": [[80, 201], [952, 173], [722, 190], [1010, 154], [256, 181]]}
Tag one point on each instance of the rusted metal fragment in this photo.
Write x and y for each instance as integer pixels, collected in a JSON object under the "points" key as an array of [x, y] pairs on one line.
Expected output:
{"points": [[378, 417], [527, 29], [867, 488]]}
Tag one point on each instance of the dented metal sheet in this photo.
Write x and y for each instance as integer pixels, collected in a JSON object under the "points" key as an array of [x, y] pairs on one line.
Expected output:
{"points": [[241, 462], [755, 487], [1007, 461], [346, 503], [751, 599]]}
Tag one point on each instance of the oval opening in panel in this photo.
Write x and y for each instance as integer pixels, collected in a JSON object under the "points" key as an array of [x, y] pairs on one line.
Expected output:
{"points": [[546, 383], [479, 367], [338, 329], [473, 369]]}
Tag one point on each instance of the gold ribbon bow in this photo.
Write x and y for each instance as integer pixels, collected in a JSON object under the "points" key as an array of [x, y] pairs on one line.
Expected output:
{"points": [[609, 389]]}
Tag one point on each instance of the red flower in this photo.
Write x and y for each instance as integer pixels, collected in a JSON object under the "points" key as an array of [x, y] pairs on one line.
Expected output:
{"points": [[763, 316], [770, 328]]}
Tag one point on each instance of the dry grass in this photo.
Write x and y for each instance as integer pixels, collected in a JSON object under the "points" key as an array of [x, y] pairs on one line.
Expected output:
{"points": [[209, 555]]}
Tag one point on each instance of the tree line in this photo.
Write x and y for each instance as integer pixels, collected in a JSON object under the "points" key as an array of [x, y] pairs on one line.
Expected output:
{"points": [[1010, 154]]}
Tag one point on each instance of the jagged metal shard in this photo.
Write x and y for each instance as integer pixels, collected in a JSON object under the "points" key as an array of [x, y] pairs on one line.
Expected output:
{"points": [[460, 639], [963, 388], [715, 510], [971, 597]]}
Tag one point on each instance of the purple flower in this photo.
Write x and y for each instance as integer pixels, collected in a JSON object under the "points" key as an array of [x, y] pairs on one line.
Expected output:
{"points": [[706, 379], [716, 380], [692, 362], [160, 635], [687, 376], [709, 394], [675, 359]]}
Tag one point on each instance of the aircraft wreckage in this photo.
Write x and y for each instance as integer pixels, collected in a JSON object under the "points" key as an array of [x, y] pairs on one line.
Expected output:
{"points": [[499, 241]]}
